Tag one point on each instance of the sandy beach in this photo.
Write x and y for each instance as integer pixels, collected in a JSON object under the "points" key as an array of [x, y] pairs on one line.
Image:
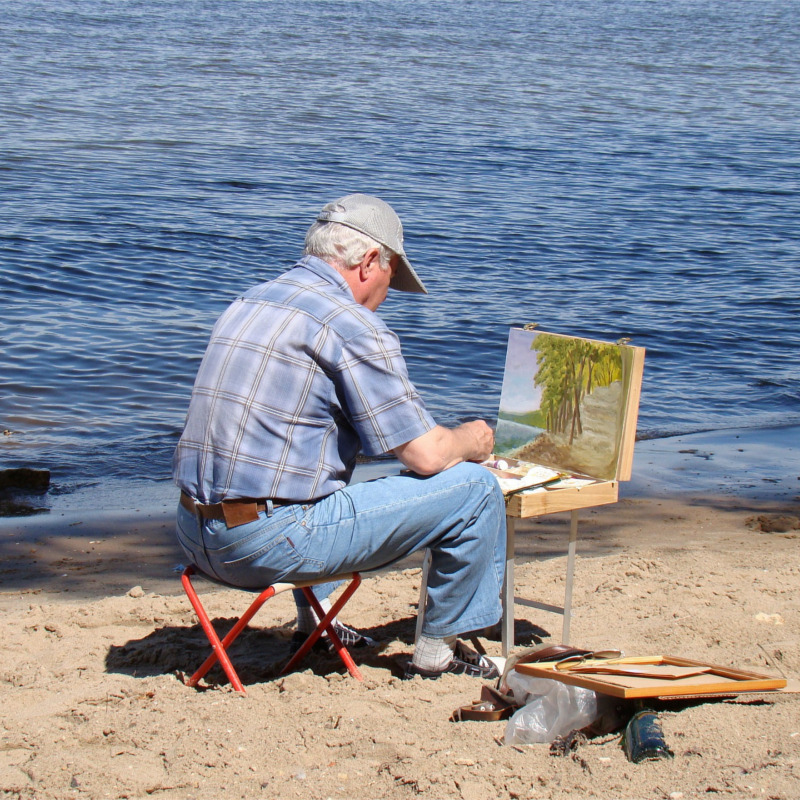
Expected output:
{"points": [[698, 559]]}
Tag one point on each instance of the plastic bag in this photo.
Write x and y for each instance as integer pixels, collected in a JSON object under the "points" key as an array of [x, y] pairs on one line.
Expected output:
{"points": [[551, 709]]}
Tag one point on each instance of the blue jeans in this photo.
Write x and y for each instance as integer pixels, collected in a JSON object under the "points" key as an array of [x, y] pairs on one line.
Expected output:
{"points": [[459, 514]]}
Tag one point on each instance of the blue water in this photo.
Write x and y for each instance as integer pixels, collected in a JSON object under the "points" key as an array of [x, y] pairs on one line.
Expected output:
{"points": [[603, 169]]}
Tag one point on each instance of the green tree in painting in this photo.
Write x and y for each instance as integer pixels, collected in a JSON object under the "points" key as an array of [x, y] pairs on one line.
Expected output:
{"points": [[568, 370]]}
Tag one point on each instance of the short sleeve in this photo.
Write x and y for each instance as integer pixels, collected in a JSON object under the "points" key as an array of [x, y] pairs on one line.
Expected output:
{"points": [[375, 393]]}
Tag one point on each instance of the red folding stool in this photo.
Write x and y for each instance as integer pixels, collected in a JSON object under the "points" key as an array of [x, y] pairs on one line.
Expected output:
{"points": [[220, 646]]}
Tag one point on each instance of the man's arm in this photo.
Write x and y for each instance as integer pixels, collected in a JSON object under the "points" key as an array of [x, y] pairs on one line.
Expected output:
{"points": [[441, 448]]}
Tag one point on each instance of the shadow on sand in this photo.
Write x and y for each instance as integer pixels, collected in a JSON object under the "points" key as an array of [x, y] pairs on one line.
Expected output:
{"points": [[259, 654]]}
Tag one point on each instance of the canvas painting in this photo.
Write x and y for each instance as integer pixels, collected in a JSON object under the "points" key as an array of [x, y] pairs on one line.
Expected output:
{"points": [[563, 402]]}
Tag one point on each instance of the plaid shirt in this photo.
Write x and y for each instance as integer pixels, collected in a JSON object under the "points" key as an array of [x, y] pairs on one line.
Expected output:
{"points": [[297, 378]]}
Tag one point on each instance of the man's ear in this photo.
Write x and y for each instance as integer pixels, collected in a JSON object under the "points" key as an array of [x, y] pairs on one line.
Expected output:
{"points": [[370, 261]]}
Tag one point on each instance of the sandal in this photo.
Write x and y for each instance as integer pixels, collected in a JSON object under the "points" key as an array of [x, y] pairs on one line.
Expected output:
{"points": [[491, 707]]}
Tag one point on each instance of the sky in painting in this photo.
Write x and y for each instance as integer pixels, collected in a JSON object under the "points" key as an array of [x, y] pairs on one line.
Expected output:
{"points": [[519, 395]]}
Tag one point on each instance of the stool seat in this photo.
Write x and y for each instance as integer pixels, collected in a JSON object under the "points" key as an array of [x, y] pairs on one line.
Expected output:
{"points": [[220, 647]]}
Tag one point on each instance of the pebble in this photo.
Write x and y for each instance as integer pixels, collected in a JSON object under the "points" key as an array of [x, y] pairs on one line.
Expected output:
{"points": [[773, 619]]}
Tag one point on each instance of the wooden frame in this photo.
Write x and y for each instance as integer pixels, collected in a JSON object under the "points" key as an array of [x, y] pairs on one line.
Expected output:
{"points": [[709, 679]]}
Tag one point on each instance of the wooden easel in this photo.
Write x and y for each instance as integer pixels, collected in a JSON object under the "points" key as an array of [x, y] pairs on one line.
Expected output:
{"points": [[554, 500], [557, 498]]}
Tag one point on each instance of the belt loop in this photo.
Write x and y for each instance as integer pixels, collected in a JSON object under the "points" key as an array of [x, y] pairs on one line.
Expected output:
{"points": [[269, 507]]}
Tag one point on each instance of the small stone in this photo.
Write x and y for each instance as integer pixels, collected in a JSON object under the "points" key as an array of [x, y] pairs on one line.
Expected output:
{"points": [[137, 591], [25, 479], [772, 619]]}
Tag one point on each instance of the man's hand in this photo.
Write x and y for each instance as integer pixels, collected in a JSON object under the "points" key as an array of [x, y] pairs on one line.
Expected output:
{"points": [[483, 438], [441, 448]]}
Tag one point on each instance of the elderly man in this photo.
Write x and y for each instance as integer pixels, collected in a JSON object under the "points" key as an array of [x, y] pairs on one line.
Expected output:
{"points": [[299, 376]]}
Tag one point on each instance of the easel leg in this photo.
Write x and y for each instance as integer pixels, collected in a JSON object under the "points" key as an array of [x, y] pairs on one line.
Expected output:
{"points": [[423, 594], [573, 538], [507, 624]]}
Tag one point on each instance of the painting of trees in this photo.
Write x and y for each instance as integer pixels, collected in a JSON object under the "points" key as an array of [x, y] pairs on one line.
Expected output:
{"points": [[569, 403], [568, 370]]}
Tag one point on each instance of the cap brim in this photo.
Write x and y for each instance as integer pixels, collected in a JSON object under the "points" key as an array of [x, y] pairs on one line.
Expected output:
{"points": [[406, 279]]}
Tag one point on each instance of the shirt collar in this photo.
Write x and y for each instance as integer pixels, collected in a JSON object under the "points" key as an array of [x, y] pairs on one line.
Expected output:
{"points": [[325, 271]]}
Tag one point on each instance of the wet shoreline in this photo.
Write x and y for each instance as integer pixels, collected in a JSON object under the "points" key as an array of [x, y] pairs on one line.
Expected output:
{"points": [[106, 538], [747, 463]]}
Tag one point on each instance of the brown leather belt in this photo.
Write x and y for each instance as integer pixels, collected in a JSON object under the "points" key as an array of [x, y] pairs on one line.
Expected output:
{"points": [[232, 512]]}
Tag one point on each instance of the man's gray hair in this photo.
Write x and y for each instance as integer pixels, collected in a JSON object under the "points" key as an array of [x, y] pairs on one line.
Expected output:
{"points": [[342, 246]]}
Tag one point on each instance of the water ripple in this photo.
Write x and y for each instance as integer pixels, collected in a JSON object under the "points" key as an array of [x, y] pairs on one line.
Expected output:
{"points": [[603, 171]]}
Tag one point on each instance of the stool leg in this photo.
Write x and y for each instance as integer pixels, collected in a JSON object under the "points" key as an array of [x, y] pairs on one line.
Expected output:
{"points": [[325, 626], [220, 647]]}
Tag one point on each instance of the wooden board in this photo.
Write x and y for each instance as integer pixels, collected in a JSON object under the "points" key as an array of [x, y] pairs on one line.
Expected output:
{"points": [[625, 465], [652, 679], [554, 499]]}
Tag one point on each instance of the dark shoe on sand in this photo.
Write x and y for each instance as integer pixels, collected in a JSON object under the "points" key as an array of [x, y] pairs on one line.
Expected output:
{"points": [[465, 662], [350, 638]]}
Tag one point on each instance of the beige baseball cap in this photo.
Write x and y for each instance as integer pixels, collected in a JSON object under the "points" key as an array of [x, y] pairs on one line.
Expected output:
{"points": [[378, 220]]}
